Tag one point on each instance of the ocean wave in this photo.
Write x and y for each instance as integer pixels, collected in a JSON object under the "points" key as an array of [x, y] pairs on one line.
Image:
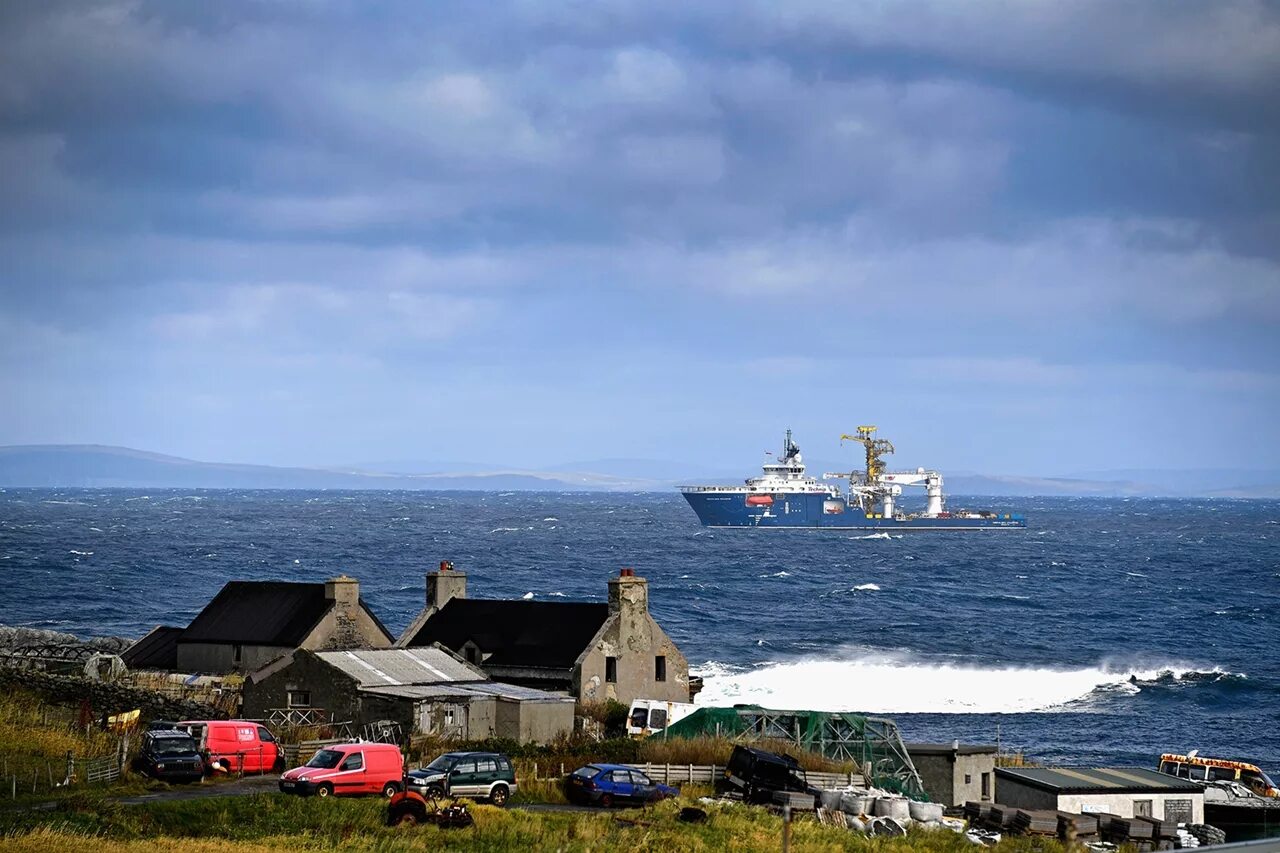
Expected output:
{"points": [[782, 574], [866, 587], [83, 553], [877, 536], [903, 683]]}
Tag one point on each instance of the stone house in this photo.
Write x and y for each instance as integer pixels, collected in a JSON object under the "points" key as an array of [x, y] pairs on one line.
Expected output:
{"points": [[427, 690], [955, 773], [250, 623], [592, 651]]}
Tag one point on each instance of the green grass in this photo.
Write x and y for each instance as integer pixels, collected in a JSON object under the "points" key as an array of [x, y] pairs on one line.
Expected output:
{"points": [[277, 822]]}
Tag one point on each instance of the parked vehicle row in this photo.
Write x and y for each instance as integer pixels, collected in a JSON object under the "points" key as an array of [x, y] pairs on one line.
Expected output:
{"points": [[189, 750]]}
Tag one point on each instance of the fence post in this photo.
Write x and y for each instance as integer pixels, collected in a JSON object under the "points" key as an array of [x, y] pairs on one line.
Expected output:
{"points": [[536, 777], [690, 773]]}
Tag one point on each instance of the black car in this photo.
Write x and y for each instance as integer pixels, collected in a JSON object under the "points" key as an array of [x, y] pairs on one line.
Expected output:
{"points": [[755, 775], [171, 755]]}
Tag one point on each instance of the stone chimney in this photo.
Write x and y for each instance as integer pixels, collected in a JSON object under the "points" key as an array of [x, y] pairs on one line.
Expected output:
{"points": [[345, 633], [445, 584], [343, 590], [629, 595]]}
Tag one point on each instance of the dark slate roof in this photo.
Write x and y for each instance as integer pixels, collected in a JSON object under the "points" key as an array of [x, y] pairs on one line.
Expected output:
{"points": [[157, 650], [260, 613], [1097, 780], [516, 633]]}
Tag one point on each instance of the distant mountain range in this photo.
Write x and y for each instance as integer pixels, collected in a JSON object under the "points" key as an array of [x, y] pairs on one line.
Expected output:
{"points": [[98, 466]]}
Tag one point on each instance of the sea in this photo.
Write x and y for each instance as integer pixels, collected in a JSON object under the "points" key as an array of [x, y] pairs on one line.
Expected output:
{"points": [[1107, 632]]}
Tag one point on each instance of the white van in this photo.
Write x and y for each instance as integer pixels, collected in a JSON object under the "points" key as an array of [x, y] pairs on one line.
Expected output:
{"points": [[649, 716]]}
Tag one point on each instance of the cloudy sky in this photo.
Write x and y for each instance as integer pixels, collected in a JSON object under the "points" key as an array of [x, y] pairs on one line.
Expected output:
{"points": [[1021, 237]]}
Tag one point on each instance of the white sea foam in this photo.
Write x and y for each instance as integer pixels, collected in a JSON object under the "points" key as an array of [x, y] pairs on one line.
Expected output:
{"points": [[1135, 574], [1055, 563], [783, 574], [902, 683], [866, 587], [549, 518], [558, 594], [96, 529], [874, 536], [504, 529], [83, 553], [527, 596]]}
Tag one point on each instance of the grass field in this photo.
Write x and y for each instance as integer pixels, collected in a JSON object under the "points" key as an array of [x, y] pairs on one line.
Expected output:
{"points": [[275, 822]]}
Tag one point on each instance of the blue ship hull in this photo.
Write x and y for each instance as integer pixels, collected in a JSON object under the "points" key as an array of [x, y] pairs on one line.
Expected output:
{"points": [[730, 509]]}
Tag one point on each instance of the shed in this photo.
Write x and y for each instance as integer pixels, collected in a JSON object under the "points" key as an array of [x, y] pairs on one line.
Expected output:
{"points": [[1124, 791], [428, 690], [955, 773]]}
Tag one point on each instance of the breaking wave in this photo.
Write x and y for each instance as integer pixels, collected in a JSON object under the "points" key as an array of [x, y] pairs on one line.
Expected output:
{"points": [[903, 684]]}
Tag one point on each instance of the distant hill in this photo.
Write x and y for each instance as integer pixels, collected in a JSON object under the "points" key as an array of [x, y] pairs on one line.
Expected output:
{"points": [[99, 466]]}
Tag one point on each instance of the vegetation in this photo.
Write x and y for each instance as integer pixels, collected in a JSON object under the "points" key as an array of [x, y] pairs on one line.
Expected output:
{"points": [[575, 751], [277, 822]]}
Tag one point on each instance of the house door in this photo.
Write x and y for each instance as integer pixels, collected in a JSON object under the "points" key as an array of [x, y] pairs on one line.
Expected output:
{"points": [[1142, 808]]}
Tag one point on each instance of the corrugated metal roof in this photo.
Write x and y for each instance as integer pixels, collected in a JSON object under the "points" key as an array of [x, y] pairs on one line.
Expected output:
{"points": [[471, 690], [1080, 780], [399, 667]]}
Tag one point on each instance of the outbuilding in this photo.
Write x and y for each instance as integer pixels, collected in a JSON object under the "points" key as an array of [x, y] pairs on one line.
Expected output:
{"points": [[1123, 791], [955, 773], [426, 690]]}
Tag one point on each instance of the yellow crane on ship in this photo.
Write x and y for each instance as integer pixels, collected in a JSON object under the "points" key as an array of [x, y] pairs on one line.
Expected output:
{"points": [[876, 448]]}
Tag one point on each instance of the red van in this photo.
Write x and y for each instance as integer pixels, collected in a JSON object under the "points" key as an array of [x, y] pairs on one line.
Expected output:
{"points": [[348, 768], [238, 746]]}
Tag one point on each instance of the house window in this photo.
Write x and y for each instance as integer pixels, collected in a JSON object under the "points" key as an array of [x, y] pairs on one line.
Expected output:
{"points": [[1142, 808], [299, 699], [611, 670], [986, 786], [471, 654], [968, 780], [237, 654], [660, 668]]}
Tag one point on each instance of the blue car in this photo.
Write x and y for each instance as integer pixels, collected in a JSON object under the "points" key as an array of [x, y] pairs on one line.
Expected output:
{"points": [[614, 784]]}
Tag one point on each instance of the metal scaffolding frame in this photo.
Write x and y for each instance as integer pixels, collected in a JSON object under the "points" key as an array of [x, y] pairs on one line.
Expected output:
{"points": [[872, 743]]}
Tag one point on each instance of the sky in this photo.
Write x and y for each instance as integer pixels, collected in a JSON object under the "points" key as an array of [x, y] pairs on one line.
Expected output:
{"points": [[1021, 238]]}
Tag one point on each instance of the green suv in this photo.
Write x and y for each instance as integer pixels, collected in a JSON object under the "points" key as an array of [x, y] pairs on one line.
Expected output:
{"points": [[478, 775]]}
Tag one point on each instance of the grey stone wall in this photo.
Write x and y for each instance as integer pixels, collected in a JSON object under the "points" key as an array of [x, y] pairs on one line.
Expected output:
{"points": [[330, 689]]}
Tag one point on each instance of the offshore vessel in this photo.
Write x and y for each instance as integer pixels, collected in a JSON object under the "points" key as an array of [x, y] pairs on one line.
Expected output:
{"points": [[784, 496]]}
